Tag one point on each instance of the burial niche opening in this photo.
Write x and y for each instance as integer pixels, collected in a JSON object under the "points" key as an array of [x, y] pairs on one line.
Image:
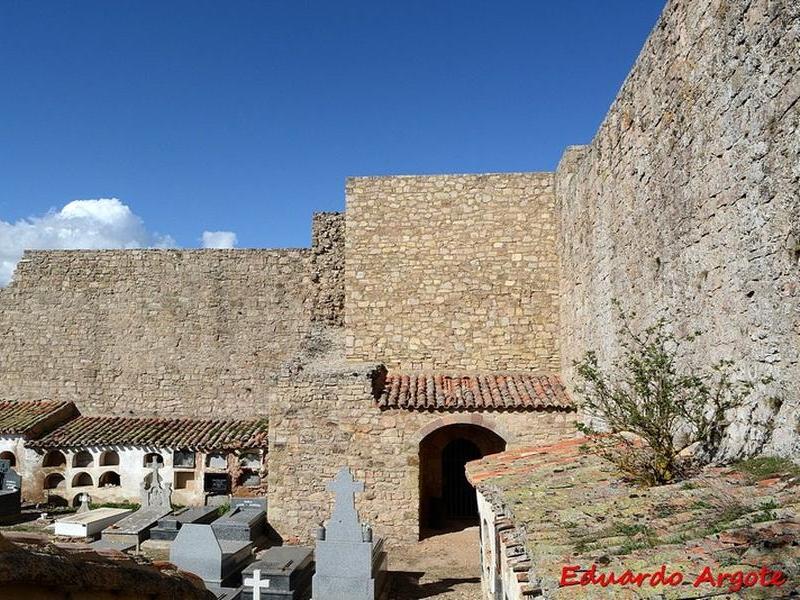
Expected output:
{"points": [[447, 500], [10, 457], [109, 479], [54, 481], [82, 480], [109, 458], [83, 459], [54, 458]]}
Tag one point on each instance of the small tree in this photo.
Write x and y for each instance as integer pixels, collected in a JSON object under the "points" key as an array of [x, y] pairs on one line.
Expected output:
{"points": [[666, 409]]}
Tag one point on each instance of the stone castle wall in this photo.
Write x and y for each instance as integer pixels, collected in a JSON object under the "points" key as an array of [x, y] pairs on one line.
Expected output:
{"points": [[322, 421], [165, 332], [686, 204], [452, 271]]}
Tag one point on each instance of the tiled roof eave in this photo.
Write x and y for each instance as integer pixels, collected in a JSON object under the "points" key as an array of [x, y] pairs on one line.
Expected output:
{"points": [[184, 433], [483, 391], [467, 409]]}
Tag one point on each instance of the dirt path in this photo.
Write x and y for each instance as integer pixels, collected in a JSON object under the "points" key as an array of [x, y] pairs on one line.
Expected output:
{"points": [[446, 567]]}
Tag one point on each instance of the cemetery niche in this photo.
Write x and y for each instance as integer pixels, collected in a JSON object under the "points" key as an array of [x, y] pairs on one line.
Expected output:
{"points": [[183, 459], [217, 484], [10, 490], [350, 564]]}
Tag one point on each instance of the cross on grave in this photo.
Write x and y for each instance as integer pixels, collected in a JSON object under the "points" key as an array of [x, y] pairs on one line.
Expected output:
{"points": [[155, 466], [257, 583], [344, 524], [85, 499]]}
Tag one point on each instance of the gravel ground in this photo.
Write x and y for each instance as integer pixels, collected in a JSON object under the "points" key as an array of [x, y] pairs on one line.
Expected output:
{"points": [[446, 566]]}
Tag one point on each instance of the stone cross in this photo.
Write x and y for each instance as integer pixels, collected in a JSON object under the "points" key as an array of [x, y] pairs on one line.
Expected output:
{"points": [[155, 466], [344, 524], [256, 583]]}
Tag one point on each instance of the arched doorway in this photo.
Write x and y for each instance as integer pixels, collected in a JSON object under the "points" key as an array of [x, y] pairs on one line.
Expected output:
{"points": [[447, 500], [10, 457]]}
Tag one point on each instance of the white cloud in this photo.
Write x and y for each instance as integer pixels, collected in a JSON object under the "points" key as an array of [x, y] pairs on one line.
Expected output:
{"points": [[81, 224], [219, 239]]}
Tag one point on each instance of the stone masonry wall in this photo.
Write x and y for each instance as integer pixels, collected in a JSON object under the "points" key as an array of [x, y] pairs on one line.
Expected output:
{"points": [[453, 271], [162, 332], [686, 204], [327, 267], [321, 421]]}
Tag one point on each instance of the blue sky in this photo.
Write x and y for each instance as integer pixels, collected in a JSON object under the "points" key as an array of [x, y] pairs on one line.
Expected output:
{"points": [[247, 116]]}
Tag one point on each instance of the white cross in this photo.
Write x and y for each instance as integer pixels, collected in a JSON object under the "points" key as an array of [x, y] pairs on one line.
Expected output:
{"points": [[257, 583]]}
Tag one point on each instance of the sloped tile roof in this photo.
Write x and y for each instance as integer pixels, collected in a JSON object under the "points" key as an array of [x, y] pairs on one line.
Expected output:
{"points": [[567, 506], [33, 418], [474, 391], [193, 434]]}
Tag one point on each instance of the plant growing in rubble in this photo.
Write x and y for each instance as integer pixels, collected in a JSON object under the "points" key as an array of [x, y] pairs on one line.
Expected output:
{"points": [[666, 408]]}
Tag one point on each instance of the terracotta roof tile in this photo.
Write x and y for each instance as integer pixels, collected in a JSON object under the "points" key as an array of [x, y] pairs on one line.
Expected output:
{"points": [[33, 418], [474, 391], [197, 434]]}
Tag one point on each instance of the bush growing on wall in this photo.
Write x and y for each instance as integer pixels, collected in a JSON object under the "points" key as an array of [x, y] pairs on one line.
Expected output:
{"points": [[652, 409]]}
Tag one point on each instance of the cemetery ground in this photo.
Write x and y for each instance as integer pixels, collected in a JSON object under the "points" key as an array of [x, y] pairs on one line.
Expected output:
{"points": [[444, 566], [441, 567]]}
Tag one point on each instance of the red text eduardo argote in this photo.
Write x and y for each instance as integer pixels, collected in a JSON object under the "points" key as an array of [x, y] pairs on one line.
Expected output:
{"points": [[733, 580]]}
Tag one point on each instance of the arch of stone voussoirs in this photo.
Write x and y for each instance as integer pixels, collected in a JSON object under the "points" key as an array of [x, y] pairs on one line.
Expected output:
{"points": [[481, 420]]}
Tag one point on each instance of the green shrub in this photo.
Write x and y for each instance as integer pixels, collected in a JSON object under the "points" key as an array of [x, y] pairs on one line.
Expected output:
{"points": [[646, 394]]}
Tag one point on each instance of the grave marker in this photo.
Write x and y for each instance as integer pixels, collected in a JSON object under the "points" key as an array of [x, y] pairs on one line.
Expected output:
{"points": [[198, 550], [256, 583], [85, 499], [10, 489], [289, 570], [351, 565], [155, 494]]}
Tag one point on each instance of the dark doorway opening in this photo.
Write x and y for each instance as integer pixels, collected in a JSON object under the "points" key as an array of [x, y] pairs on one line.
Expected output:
{"points": [[447, 500], [458, 496]]}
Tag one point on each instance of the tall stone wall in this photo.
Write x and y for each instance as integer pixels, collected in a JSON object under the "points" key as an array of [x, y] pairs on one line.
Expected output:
{"points": [[322, 420], [452, 271], [164, 332], [686, 204]]}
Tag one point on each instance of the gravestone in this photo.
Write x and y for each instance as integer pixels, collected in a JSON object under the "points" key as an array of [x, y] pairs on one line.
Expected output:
{"points": [[197, 549], [84, 507], [351, 565], [154, 491], [246, 521], [288, 569], [255, 584], [155, 494], [90, 523], [10, 490], [167, 527]]}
